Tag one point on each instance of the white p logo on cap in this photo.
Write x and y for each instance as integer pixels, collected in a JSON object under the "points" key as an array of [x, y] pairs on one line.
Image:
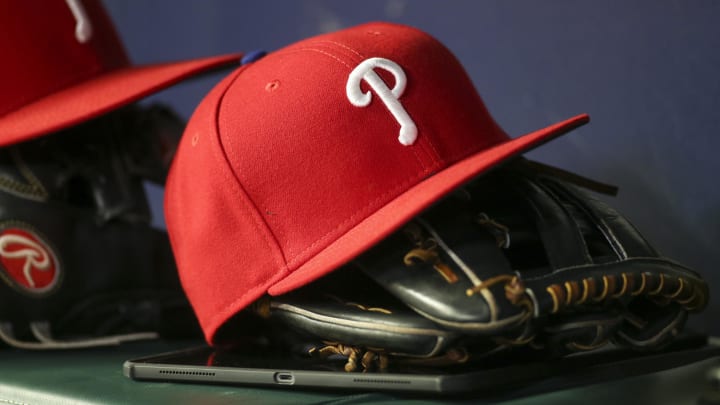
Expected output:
{"points": [[366, 71], [83, 28]]}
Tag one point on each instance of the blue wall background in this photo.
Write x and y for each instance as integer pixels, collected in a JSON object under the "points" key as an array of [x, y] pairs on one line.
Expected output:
{"points": [[647, 71]]}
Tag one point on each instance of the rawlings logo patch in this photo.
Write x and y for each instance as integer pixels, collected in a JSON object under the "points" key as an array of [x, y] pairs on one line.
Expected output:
{"points": [[27, 261]]}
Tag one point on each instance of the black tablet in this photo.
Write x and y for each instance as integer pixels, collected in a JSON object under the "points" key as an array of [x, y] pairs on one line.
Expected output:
{"points": [[261, 365]]}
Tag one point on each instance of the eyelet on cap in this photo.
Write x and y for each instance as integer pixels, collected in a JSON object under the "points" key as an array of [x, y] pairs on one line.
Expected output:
{"points": [[252, 56], [272, 86]]}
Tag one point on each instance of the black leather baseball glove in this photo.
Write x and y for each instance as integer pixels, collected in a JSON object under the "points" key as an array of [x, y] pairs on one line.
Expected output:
{"points": [[520, 260], [80, 263]]}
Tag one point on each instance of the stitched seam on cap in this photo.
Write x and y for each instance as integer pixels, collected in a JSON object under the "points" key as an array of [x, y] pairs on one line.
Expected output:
{"points": [[342, 46], [297, 50], [361, 211], [229, 309], [260, 223], [436, 155]]}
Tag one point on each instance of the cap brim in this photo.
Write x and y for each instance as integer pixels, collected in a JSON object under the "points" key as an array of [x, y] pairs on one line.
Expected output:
{"points": [[407, 205], [100, 95]]}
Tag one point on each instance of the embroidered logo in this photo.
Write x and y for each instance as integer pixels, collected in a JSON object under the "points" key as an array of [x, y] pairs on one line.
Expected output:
{"points": [[390, 97], [27, 261], [83, 28]]}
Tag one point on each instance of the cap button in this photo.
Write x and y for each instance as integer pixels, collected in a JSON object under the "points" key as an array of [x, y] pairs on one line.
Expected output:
{"points": [[252, 56]]}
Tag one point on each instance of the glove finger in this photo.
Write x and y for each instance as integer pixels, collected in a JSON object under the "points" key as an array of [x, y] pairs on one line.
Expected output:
{"points": [[578, 332], [648, 326], [448, 267], [347, 307]]}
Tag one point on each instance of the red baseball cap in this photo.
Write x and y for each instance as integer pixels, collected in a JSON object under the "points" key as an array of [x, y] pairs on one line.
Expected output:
{"points": [[298, 162], [63, 64]]}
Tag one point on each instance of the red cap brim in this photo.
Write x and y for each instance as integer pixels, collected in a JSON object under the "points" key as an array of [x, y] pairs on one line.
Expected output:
{"points": [[409, 204], [100, 95]]}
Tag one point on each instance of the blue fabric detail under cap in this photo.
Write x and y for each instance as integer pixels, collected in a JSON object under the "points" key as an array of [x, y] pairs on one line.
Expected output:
{"points": [[252, 57]]}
